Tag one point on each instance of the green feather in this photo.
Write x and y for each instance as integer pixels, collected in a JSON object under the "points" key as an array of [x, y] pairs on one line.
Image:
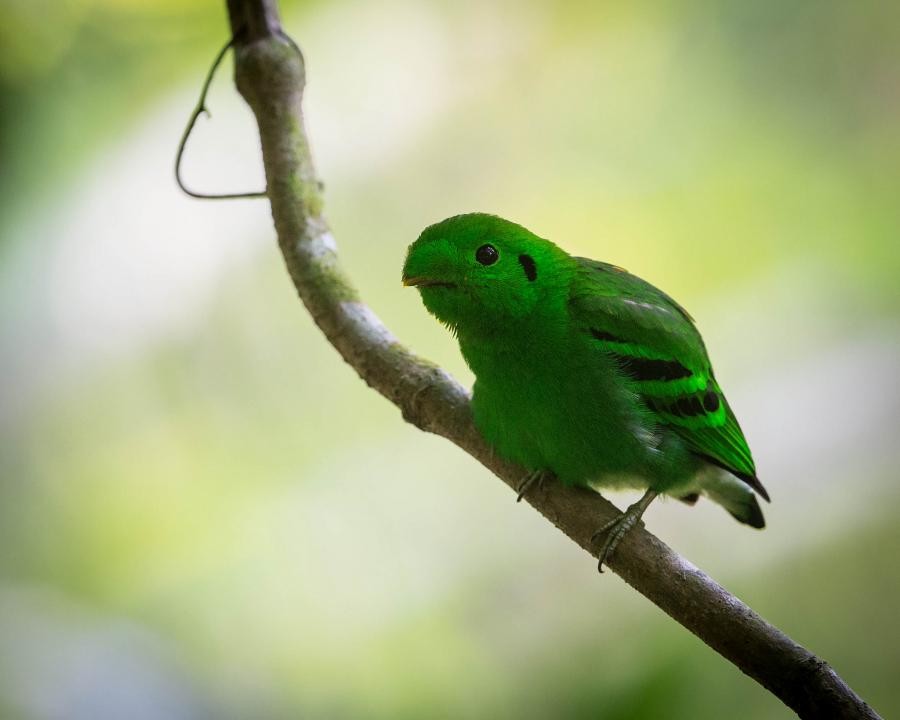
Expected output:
{"points": [[636, 319], [582, 368]]}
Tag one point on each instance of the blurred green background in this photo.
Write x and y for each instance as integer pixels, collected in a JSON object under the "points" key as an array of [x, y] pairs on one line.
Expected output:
{"points": [[205, 514]]}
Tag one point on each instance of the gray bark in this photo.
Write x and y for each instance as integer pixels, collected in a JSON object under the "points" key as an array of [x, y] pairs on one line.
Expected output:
{"points": [[270, 75]]}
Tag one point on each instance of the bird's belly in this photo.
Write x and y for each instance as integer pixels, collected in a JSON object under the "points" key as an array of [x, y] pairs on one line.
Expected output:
{"points": [[584, 432]]}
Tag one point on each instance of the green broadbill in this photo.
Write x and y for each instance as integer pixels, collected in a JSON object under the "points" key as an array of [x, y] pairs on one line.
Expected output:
{"points": [[583, 370]]}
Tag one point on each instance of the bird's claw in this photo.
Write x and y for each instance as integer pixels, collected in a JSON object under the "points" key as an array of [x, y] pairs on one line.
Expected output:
{"points": [[614, 530], [620, 526], [537, 476]]}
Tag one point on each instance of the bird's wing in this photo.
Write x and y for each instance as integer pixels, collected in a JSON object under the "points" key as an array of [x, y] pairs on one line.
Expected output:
{"points": [[660, 352]]}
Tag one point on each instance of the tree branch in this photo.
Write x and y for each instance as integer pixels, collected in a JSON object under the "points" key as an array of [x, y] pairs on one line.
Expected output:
{"points": [[269, 73]]}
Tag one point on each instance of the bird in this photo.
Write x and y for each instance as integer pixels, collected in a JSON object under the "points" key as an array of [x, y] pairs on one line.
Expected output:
{"points": [[583, 372]]}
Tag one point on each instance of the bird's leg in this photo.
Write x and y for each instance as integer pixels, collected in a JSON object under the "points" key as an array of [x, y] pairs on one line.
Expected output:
{"points": [[616, 528], [538, 476]]}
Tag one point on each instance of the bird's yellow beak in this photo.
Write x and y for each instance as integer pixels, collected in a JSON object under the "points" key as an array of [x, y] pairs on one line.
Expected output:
{"points": [[421, 281], [424, 281]]}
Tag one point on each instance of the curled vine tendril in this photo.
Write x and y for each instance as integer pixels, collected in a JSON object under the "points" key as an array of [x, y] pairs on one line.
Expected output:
{"points": [[199, 110]]}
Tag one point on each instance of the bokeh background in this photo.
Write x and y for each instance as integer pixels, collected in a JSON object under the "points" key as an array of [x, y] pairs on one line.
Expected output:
{"points": [[205, 514]]}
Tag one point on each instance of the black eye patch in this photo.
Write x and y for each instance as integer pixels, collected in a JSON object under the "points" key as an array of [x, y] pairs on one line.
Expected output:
{"points": [[527, 263]]}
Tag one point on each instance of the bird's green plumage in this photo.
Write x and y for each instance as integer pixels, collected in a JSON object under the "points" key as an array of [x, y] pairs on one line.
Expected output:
{"points": [[582, 368]]}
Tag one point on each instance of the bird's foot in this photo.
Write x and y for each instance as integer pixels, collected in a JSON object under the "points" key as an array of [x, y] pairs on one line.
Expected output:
{"points": [[538, 476], [619, 526]]}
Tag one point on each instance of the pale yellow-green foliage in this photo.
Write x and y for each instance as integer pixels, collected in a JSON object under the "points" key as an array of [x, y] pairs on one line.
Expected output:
{"points": [[199, 501]]}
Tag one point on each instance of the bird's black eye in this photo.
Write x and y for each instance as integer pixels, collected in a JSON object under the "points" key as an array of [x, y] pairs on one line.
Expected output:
{"points": [[487, 255]]}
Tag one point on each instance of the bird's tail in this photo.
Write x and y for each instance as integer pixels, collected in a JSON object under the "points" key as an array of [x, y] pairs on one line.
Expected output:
{"points": [[734, 495]]}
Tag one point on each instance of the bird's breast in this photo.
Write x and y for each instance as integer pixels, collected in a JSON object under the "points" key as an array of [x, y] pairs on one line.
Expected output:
{"points": [[553, 406]]}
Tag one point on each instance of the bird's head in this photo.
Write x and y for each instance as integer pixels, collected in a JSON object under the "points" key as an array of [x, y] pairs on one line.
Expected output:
{"points": [[479, 272]]}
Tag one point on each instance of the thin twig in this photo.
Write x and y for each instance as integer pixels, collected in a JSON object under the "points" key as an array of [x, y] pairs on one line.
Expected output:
{"points": [[270, 75], [199, 110]]}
